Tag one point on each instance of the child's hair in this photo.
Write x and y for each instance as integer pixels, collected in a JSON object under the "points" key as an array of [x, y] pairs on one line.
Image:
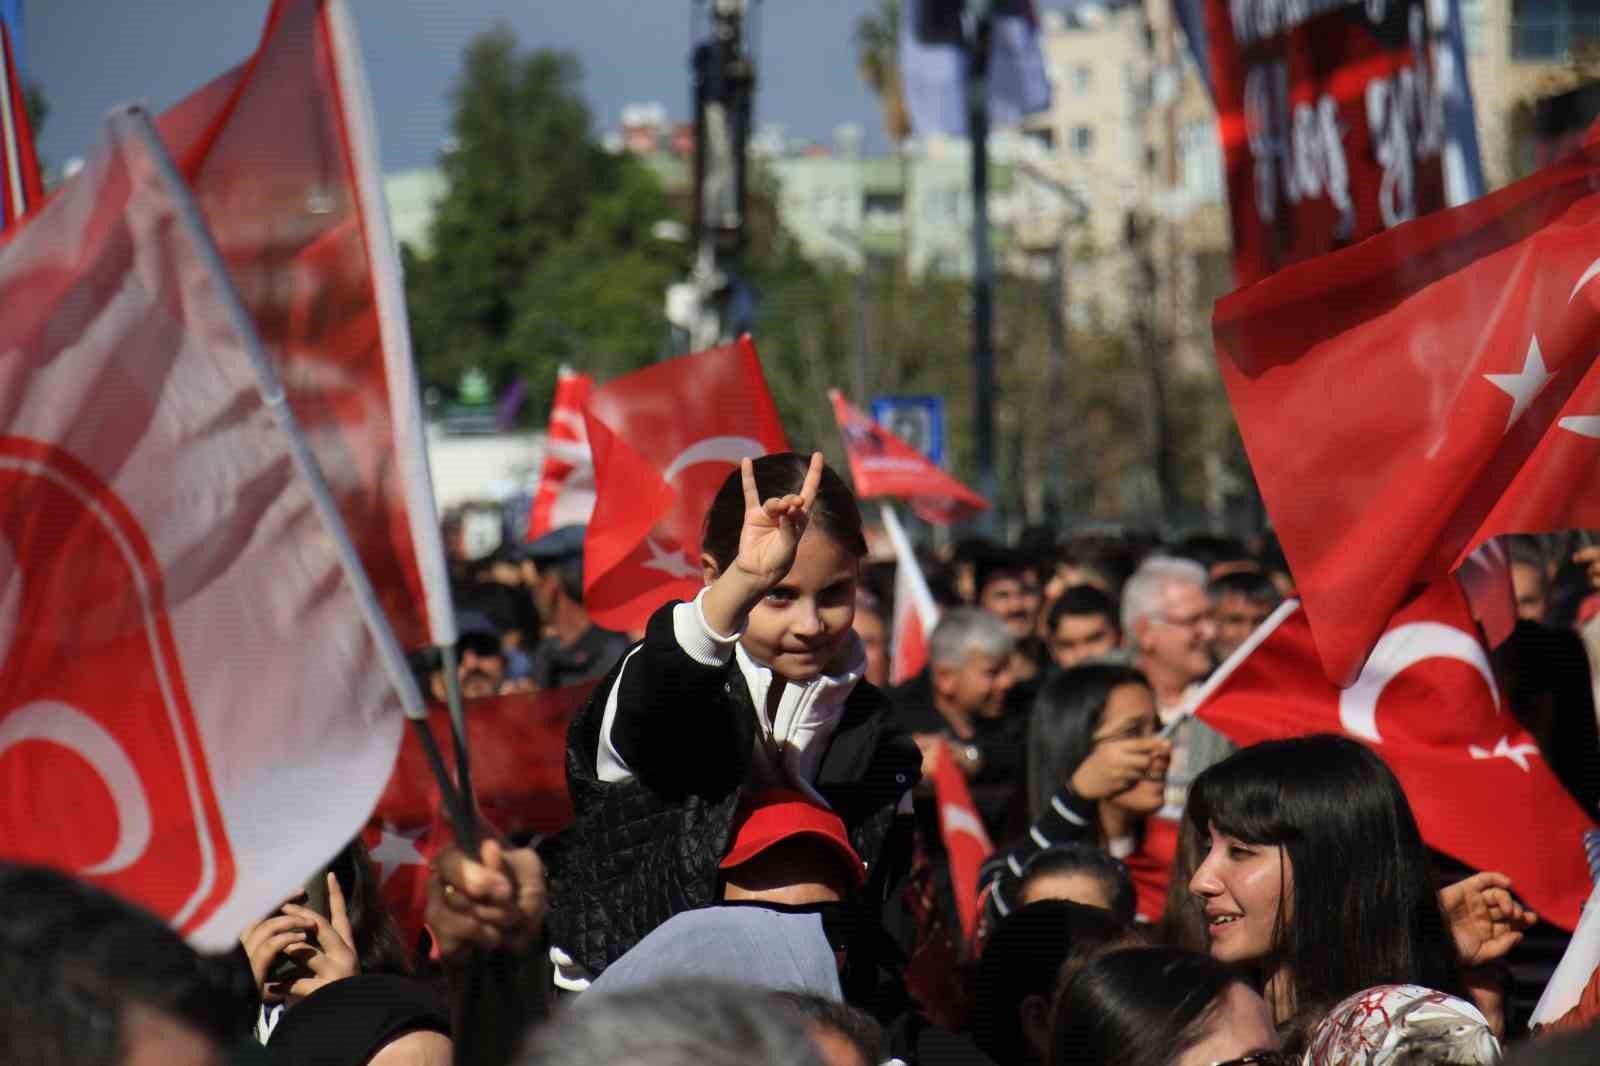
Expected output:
{"points": [[782, 474]]}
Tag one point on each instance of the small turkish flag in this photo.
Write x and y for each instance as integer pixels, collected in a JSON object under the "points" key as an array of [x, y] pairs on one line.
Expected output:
{"points": [[882, 464], [20, 188], [915, 612], [664, 439], [966, 842], [1428, 704], [565, 496], [1405, 399]]}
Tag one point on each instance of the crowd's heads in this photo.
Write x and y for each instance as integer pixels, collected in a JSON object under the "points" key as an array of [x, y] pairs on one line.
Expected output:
{"points": [[480, 656], [684, 1023], [557, 560], [1166, 617], [1082, 625], [1530, 579], [1158, 1006], [834, 513], [872, 627], [369, 1018], [787, 849], [1316, 864], [1240, 601], [1006, 586], [1078, 873], [969, 656], [1074, 710], [92, 981], [844, 1035], [1021, 965]]}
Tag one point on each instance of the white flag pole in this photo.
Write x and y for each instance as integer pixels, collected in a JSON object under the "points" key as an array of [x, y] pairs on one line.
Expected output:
{"points": [[921, 595], [272, 395]]}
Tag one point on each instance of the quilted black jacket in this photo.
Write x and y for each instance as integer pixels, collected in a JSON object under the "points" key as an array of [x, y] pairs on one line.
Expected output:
{"points": [[644, 849]]}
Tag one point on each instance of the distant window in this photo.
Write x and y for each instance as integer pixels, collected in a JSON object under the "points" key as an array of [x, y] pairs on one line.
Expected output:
{"points": [[1082, 78], [1082, 140]]}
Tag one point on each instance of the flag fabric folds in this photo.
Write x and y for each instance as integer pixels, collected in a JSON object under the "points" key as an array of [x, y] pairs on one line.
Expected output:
{"points": [[934, 61], [664, 439], [1404, 400], [282, 158], [882, 464], [1428, 704], [565, 496], [915, 612], [183, 665], [966, 842], [20, 188]]}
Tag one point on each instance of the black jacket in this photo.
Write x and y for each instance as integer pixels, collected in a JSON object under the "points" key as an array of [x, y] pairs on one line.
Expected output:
{"points": [[644, 849]]}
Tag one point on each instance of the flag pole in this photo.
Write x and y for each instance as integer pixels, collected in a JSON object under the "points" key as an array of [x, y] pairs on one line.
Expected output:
{"points": [[922, 597], [272, 395], [978, 48], [394, 333]]}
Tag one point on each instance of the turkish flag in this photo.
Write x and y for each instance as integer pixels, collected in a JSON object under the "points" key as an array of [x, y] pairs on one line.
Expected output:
{"points": [[281, 157], [915, 612], [664, 439], [565, 496], [518, 743], [20, 188], [192, 712], [1427, 703], [1406, 399], [882, 464], [966, 842]]}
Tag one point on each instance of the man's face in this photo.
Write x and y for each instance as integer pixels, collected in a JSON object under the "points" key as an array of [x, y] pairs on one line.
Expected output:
{"points": [[1533, 603], [546, 589], [1078, 638], [873, 633], [1176, 641], [1004, 596], [977, 686], [1236, 617]]}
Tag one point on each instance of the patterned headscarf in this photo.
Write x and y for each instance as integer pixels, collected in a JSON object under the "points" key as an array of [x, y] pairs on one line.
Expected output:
{"points": [[1398, 1025]]}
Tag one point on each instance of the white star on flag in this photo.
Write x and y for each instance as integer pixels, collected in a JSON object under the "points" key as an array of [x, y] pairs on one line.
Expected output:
{"points": [[1517, 753], [1582, 425], [674, 564], [396, 849], [1523, 387]]}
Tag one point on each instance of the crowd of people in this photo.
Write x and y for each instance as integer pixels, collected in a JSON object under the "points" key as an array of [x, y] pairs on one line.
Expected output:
{"points": [[757, 870]]}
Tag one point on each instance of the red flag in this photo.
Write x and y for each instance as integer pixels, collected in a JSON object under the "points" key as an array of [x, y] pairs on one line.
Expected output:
{"points": [[565, 496], [966, 842], [915, 612], [20, 188], [281, 155], [1404, 400], [192, 711], [664, 439], [882, 464], [518, 744], [1428, 704]]}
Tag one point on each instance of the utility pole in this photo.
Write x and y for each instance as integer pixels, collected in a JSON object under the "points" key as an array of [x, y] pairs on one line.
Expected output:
{"points": [[978, 38], [724, 83]]}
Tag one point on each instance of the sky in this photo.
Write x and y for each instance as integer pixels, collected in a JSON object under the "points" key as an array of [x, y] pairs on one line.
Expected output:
{"points": [[90, 55]]}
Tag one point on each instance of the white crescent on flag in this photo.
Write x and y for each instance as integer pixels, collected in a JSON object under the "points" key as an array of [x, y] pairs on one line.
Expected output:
{"points": [[1399, 649]]}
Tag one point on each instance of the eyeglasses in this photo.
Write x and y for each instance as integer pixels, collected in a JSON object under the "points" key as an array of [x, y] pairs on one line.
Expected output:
{"points": [[1261, 1058]]}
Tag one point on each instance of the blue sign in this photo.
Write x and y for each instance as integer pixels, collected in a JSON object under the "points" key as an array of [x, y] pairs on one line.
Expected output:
{"points": [[917, 420]]}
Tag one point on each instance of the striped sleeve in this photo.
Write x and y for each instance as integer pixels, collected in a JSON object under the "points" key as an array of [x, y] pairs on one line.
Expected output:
{"points": [[1067, 819]]}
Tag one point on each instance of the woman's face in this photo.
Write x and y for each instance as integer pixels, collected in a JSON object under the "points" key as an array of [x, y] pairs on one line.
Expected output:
{"points": [[1241, 1026], [1243, 888], [799, 625], [1131, 712]]}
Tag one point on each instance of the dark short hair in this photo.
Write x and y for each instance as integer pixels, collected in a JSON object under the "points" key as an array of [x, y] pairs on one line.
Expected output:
{"points": [[1080, 600], [856, 1026], [1139, 1006], [1068, 710], [996, 563], [835, 511], [1253, 585], [1208, 549], [1334, 806], [1064, 859], [74, 958]]}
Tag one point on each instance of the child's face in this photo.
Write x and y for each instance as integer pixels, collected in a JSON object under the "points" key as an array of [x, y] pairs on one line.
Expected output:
{"points": [[798, 627]]}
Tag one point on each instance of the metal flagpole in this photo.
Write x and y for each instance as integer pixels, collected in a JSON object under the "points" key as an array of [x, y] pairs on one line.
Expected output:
{"points": [[272, 395], [983, 257]]}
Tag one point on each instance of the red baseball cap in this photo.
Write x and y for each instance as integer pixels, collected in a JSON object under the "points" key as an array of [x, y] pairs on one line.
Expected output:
{"points": [[771, 817]]}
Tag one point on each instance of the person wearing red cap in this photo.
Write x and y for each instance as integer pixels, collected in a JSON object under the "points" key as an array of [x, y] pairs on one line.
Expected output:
{"points": [[789, 885]]}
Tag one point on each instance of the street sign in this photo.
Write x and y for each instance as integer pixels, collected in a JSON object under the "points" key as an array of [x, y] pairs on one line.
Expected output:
{"points": [[917, 420]]}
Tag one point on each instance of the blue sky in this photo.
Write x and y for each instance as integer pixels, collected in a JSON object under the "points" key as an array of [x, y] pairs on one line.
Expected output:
{"points": [[89, 55]]}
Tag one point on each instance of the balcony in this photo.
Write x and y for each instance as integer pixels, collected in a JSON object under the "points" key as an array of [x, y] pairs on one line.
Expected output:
{"points": [[1556, 40]]}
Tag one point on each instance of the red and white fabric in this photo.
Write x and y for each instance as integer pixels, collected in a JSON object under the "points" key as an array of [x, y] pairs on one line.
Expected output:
{"points": [[882, 464], [565, 496], [915, 612]]}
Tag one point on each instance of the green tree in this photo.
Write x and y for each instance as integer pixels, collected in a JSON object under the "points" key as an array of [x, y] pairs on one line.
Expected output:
{"points": [[878, 63]]}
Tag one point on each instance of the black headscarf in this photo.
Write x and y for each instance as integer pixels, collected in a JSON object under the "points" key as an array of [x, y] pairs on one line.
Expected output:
{"points": [[349, 1021]]}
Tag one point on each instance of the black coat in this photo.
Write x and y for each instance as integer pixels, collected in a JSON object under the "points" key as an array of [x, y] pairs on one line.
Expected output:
{"points": [[647, 848]]}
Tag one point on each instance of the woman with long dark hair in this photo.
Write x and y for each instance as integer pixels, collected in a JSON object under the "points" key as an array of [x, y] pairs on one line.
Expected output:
{"points": [[1096, 771], [1314, 877]]}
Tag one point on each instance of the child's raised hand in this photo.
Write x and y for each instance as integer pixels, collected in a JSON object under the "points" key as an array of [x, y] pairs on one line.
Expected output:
{"points": [[772, 528]]}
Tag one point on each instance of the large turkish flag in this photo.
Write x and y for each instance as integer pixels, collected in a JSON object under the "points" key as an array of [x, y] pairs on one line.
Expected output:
{"points": [[664, 439], [1406, 399], [882, 464], [1427, 703]]}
